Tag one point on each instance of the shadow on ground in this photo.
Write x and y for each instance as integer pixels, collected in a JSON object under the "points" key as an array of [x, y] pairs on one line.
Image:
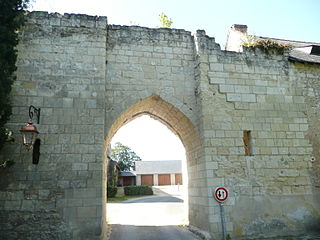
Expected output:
{"points": [[154, 199]]}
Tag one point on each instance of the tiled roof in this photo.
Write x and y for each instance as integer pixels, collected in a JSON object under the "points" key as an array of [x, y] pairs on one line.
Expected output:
{"points": [[300, 51], [158, 167], [127, 174]]}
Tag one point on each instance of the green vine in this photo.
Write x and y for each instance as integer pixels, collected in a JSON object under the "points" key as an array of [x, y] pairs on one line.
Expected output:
{"points": [[266, 45], [12, 16], [6, 164]]}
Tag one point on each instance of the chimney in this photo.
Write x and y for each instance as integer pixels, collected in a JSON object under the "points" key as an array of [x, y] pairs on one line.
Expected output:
{"points": [[239, 28], [237, 34]]}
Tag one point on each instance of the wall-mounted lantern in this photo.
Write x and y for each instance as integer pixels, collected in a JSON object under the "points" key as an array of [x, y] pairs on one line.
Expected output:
{"points": [[29, 131]]}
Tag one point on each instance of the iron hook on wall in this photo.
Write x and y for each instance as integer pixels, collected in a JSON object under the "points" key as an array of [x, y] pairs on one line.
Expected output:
{"points": [[34, 111]]}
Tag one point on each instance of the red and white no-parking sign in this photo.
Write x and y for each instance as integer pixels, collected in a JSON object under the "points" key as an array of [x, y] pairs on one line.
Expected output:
{"points": [[221, 194]]}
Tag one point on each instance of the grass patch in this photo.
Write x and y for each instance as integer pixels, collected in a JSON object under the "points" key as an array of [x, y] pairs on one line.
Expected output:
{"points": [[121, 199]]}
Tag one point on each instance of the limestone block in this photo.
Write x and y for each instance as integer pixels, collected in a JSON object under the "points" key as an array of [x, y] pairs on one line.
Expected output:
{"points": [[229, 68], [217, 80], [294, 127], [242, 89], [86, 212], [226, 88], [74, 202], [248, 98], [261, 83], [79, 166], [216, 67], [232, 97], [85, 193]]}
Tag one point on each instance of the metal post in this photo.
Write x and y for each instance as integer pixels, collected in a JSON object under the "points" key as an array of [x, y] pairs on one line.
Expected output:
{"points": [[224, 231]]}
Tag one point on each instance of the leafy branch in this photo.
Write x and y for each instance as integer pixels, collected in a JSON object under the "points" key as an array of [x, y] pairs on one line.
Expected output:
{"points": [[165, 21]]}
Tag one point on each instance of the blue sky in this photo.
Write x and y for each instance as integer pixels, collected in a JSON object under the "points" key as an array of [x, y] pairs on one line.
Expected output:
{"points": [[287, 19]]}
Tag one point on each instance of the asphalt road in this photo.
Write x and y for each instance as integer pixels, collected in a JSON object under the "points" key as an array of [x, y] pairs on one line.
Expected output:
{"points": [[125, 232]]}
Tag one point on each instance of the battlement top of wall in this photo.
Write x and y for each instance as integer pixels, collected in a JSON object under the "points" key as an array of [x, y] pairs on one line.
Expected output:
{"points": [[142, 29], [136, 34], [68, 19]]}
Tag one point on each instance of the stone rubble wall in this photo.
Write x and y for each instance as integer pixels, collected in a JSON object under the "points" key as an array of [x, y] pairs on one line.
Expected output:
{"points": [[90, 78]]}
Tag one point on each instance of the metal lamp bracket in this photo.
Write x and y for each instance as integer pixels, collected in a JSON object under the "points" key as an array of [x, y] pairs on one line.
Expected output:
{"points": [[34, 111]]}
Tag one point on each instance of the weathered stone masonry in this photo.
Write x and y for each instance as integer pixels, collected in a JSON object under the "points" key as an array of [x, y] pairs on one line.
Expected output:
{"points": [[62, 70], [90, 78]]}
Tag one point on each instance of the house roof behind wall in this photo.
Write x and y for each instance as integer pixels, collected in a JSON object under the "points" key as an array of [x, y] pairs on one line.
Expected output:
{"points": [[305, 52], [127, 174], [158, 167]]}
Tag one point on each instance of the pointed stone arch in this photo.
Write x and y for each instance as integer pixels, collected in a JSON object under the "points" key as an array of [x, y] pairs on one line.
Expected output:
{"points": [[163, 111], [179, 124]]}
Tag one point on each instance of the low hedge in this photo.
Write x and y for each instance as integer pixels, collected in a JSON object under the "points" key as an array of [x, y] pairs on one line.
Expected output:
{"points": [[111, 191], [138, 190]]}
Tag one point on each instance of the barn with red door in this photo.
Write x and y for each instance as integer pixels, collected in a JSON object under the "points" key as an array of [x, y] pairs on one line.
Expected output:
{"points": [[159, 173]]}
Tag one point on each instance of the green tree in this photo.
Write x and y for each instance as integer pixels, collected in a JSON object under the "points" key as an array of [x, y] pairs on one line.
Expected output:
{"points": [[124, 156], [165, 21], [12, 13]]}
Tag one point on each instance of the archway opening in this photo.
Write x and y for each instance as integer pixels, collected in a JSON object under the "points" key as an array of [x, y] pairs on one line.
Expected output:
{"points": [[182, 127], [162, 168]]}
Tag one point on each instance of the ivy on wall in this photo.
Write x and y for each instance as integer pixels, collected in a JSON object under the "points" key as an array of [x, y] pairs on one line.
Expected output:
{"points": [[12, 14]]}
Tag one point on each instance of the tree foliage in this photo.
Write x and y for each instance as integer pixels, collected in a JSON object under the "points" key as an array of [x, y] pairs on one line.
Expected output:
{"points": [[125, 157], [11, 19], [165, 21], [112, 173]]}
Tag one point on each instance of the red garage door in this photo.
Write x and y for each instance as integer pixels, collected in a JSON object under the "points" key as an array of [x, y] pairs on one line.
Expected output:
{"points": [[178, 178], [147, 179], [164, 179]]}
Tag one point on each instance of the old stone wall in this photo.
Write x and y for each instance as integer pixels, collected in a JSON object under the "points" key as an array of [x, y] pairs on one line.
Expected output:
{"points": [[308, 75], [90, 78], [271, 190], [144, 62], [61, 69]]}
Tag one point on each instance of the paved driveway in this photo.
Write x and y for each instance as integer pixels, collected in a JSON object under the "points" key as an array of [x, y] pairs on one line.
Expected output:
{"points": [[124, 232], [149, 211], [166, 207], [150, 218]]}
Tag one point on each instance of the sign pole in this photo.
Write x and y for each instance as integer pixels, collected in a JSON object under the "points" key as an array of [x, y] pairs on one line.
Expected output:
{"points": [[221, 195], [224, 231]]}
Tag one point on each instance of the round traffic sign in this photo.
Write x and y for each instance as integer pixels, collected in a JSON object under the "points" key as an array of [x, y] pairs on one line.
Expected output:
{"points": [[221, 194]]}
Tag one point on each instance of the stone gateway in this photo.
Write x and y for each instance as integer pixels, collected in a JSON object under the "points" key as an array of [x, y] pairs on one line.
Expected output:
{"points": [[249, 121]]}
